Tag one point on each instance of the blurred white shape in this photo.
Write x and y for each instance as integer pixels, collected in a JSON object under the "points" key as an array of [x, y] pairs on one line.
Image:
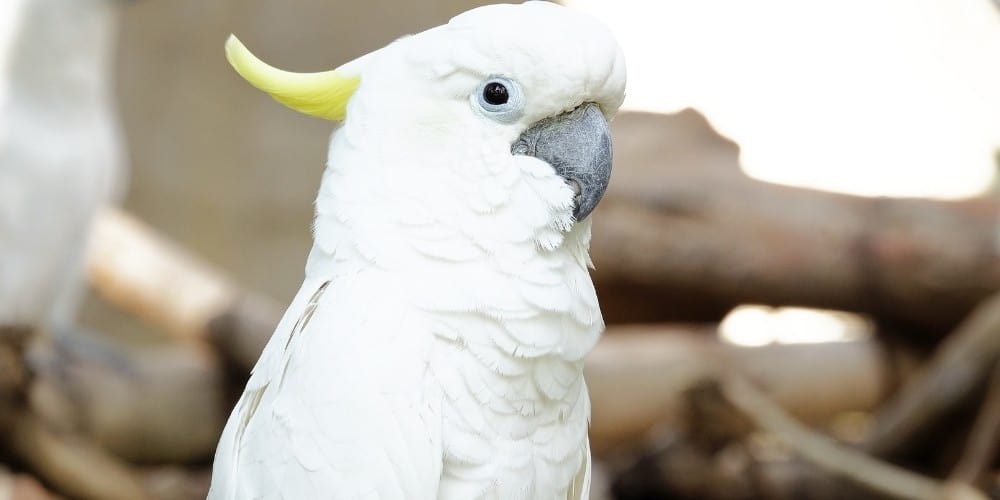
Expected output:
{"points": [[753, 325], [60, 150], [875, 97], [10, 13]]}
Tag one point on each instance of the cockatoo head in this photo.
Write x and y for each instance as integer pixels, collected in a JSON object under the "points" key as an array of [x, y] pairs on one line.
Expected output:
{"points": [[475, 100]]}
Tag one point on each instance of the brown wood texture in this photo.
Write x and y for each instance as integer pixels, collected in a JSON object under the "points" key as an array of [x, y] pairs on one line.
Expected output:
{"points": [[694, 236]]}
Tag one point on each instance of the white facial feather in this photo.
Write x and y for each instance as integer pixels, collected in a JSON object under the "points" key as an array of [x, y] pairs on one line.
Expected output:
{"points": [[414, 146]]}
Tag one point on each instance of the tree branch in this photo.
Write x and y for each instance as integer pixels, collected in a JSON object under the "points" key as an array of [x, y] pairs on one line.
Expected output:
{"points": [[824, 452], [960, 366], [682, 222], [637, 377], [983, 442], [145, 274]]}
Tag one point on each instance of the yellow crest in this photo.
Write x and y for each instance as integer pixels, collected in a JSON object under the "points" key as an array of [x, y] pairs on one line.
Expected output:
{"points": [[322, 94]]}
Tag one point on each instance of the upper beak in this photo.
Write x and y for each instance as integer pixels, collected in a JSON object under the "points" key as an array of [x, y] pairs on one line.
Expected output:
{"points": [[578, 146]]}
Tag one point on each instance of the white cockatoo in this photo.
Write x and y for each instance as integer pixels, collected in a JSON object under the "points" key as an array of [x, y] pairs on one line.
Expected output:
{"points": [[435, 349], [61, 152]]}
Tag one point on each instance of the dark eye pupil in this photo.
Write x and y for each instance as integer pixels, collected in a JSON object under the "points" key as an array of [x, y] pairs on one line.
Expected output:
{"points": [[495, 93]]}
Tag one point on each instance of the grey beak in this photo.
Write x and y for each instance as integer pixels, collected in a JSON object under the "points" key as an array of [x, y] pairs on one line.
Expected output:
{"points": [[578, 146]]}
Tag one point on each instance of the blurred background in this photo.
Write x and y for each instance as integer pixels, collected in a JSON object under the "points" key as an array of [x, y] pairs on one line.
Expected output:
{"points": [[797, 259]]}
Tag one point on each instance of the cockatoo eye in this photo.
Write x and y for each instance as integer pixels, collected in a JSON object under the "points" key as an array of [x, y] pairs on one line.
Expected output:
{"points": [[499, 98], [495, 93]]}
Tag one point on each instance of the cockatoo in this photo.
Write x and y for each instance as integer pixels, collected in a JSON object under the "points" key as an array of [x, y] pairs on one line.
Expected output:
{"points": [[61, 152], [435, 349]]}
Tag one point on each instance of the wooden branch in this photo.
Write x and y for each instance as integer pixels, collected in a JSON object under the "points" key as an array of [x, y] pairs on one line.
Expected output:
{"points": [[619, 416], [142, 272], [637, 377], [73, 405], [22, 487], [13, 372], [173, 482], [960, 366], [146, 403], [683, 223], [738, 444], [74, 465], [681, 235], [838, 459], [683, 467], [983, 444], [242, 331]]}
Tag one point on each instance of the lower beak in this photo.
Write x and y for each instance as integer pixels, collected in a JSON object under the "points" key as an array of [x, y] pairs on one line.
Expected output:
{"points": [[578, 146]]}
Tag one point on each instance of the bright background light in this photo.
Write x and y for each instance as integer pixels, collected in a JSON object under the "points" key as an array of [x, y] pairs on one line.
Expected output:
{"points": [[762, 325], [10, 11], [872, 97], [893, 97]]}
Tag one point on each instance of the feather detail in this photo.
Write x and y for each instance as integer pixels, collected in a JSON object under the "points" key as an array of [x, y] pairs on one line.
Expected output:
{"points": [[356, 412]]}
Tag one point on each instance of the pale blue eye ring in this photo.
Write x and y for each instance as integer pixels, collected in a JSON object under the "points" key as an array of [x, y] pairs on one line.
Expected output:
{"points": [[499, 98]]}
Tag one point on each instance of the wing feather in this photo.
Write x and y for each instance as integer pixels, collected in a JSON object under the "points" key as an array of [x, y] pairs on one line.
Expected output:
{"points": [[339, 405], [580, 488]]}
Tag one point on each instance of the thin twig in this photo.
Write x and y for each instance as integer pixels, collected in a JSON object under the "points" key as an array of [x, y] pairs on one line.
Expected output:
{"points": [[863, 469], [960, 365], [984, 440]]}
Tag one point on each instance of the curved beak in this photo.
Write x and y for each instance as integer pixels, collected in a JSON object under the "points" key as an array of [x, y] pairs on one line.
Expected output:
{"points": [[578, 146]]}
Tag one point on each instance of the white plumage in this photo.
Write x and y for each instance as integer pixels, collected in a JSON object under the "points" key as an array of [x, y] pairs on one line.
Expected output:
{"points": [[60, 151], [435, 348]]}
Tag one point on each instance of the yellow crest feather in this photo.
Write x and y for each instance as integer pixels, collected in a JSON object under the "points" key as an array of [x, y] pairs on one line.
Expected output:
{"points": [[322, 94]]}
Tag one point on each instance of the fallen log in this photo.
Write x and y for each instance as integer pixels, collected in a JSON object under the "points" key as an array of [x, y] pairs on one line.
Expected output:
{"points": [[638, 375], [682, 224]]}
